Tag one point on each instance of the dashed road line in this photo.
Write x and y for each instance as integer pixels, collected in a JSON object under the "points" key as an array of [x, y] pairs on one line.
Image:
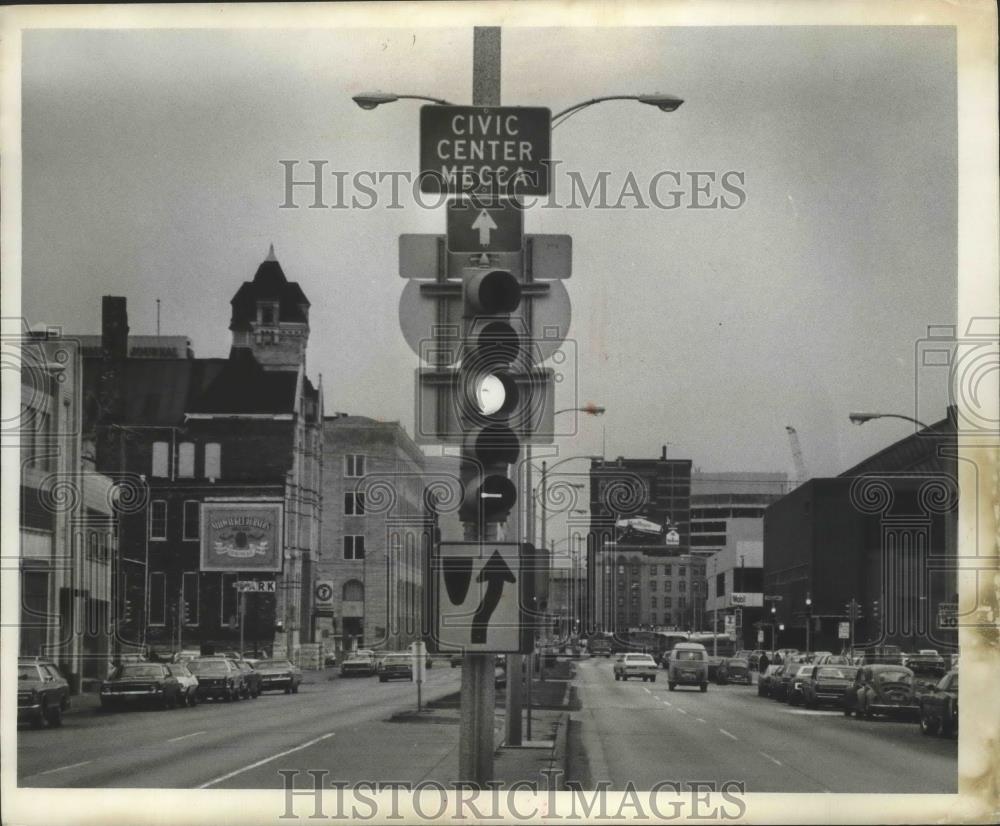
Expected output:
{"points": [[266, 760], [646, 690], [63, 768], [733, 736], [185, 736], [682, 711], [773, 760], [699, 719]]}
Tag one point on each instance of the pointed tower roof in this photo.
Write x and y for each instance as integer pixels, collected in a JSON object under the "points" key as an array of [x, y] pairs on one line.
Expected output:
{"points": [[269, 284]]}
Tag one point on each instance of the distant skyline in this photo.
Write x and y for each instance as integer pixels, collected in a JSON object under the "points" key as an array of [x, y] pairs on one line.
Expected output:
{"points": [[151, 170]]}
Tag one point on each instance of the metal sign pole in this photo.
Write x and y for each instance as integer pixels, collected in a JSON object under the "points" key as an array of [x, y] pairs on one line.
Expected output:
{"points": [[242, 608], [475, 745]]}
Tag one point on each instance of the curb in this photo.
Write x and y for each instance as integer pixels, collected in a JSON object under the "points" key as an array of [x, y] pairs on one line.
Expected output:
{"points": [[557, 759]]}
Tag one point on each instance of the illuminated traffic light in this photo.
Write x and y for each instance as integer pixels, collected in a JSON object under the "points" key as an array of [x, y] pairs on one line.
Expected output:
{"points": [[489, 393]]}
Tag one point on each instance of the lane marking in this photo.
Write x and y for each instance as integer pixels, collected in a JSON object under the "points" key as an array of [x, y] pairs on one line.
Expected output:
{"points": [[682, 711], [699, 719], [266, 760], [185, 736], [733, 736], [63, 768], [768, 756], [646, 690]]}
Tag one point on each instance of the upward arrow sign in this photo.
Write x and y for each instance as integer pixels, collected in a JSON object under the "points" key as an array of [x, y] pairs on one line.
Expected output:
{"points": [[485, 224], [494, 573]]}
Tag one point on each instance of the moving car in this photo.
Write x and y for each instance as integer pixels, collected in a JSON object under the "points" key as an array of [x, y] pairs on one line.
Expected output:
{"points": [[635, 665], [42, 692], [279, 675], [396, 667], [802, 675], [188, 682], [142, 683], [735, 670], [358, 663], [688, 665], [251, 679], [219, 678], [767, 680], [827, 684], [938, 708], [881, 689], [600, 647]]}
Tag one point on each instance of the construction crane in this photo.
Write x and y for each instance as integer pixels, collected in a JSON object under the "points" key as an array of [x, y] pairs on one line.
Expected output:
{"points": [[800, 465]]}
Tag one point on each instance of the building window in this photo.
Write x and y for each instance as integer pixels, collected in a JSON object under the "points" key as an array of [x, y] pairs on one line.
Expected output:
{"points": [[667, 570], [682, 586], [621, 570], [652, 602], [354, 547], [652, 585], [191, 597], [681, 602], [681, 570], [185, 460], [157, 598], [354, 465], [161, 459], [192, 520], [354, 503], [668, 585], [267, 313], [652, 570], [720, 584], [668, 602], [158, 519], [227, 600], [213, 460], [353, 591]]}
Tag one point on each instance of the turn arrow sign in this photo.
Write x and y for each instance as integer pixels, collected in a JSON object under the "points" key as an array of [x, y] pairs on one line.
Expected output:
{"points": [[485, 224]]}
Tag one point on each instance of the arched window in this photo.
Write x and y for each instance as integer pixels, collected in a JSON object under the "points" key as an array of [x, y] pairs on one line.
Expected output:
{"points": [[354, 591]]}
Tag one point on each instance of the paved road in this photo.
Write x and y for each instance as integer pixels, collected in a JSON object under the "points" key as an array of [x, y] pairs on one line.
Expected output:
{"points": [[336, 725], [644, 733]]}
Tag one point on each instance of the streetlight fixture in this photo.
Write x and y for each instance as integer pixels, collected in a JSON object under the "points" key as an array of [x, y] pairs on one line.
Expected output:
{"points": [[861, 418], [809, 605], [665, 103], [370, 100]]}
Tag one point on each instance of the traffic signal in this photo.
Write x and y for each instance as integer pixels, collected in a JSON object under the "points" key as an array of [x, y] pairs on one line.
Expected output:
{"points": [[128, 611], [498, 391], [875, 610], [185, 612]]}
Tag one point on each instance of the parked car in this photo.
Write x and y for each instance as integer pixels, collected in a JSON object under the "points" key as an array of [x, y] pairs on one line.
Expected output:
{"points": [[735, 670], [938, 708], [881, 689], [219, 678], [926, 664], [330, 659], [279, 675], [826, 685], [251, 679], [185, 655], [688, 664], [820, 657], [188, 682], [635, 665], [358, 663], [396, 667], [42, 692], [142, 683], [767, 680], [803, 674]]}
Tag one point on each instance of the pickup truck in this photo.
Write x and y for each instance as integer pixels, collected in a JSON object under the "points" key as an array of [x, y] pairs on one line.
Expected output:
{"points": [[635, 665]]}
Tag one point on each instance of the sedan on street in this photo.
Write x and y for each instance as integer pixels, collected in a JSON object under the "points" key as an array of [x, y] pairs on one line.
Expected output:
{"points": [[279, 675], [635, 665], [881, 689], [144, 684], [803, 674], [827, 685], [359, 663], [396, 667], [735, 670], [219, 678], [42, 693]]}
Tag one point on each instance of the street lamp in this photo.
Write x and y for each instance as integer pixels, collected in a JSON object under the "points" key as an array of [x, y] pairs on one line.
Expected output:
{"points": [[369, 100], [665, 103], [809, 610], [861, 418]]}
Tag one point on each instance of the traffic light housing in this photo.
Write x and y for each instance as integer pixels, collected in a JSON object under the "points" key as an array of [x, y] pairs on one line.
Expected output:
{"points": [[875, 610], [490, 392]]}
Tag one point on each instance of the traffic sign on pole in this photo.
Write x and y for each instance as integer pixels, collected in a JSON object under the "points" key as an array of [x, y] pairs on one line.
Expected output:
{"points": [[485, 227], [843, 630], [478, 596], [498, 149]]}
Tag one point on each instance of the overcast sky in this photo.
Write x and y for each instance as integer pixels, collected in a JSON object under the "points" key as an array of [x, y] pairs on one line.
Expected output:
{"points": [[151, 171]]}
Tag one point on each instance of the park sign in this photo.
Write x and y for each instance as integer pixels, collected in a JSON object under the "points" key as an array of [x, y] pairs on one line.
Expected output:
{"points": [[502, 150], [239, 536]]}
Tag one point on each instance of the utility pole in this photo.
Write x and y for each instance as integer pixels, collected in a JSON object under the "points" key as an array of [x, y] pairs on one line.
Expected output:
{"points": [[478, 693]]}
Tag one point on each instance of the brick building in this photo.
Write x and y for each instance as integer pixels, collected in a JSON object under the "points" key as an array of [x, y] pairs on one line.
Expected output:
{"points": [[229, 453]]}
